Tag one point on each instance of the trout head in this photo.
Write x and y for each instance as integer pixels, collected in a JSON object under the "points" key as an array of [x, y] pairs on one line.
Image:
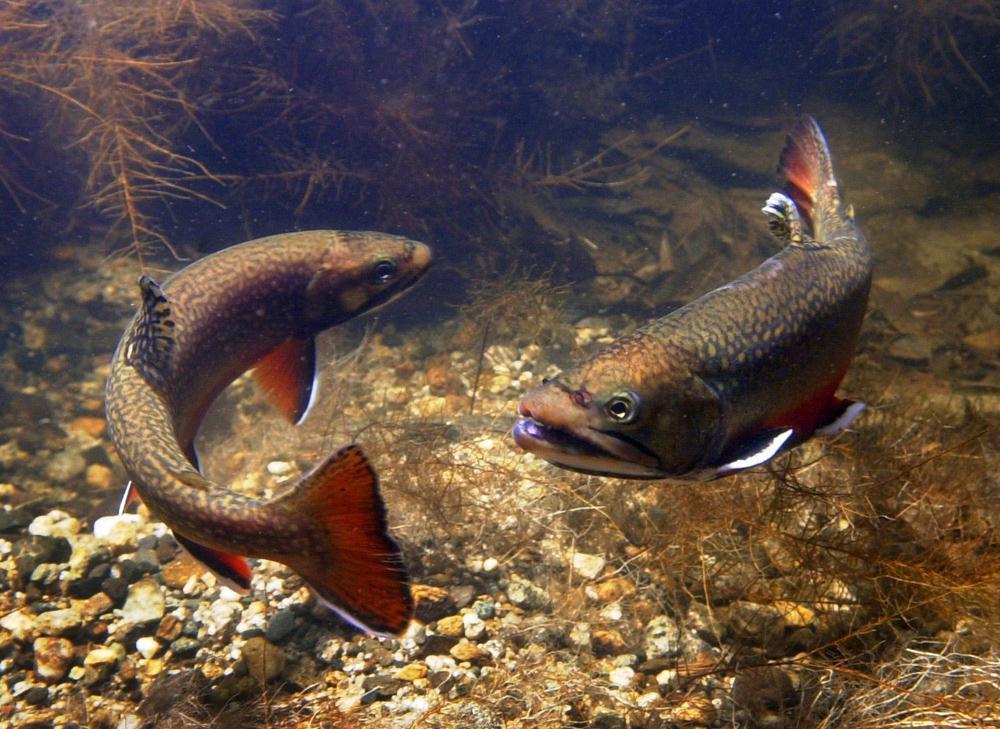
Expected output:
{"points": [[613, 418], [359, 272]]}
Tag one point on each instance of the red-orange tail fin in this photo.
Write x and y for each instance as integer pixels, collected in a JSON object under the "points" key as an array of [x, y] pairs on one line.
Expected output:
{"points": [[808, 171], [356, 568]]}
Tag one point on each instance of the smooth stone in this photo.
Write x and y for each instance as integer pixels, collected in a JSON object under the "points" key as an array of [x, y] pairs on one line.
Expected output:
{"points": [[54, 524], [118, 530], [264, 660], [662, 638], [53, 658], [147, 647], [527, 595], [588, 566], [64, 466], [144, 603], [281, 625], [58, 622]]}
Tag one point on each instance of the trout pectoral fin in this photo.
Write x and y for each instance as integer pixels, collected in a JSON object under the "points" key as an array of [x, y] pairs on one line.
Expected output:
{"points": [[357, 570], [287, 377], [758, 449], [230, 568]]}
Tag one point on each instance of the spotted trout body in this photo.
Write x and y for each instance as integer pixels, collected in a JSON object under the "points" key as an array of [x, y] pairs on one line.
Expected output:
{"points": [[260, 304], [736, 376]]}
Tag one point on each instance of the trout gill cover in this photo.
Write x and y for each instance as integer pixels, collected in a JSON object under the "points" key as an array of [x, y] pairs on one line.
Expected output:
{"points": [[260, 304], [737, 376]]}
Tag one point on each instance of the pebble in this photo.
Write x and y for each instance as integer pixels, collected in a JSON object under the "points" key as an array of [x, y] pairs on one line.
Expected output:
{"points": [[58, 622], [431, 603], [588, 566], [53, 658], [474, 627], [465, 651], [20, 624], [147, 647], [54, 524], [622, 676], [452, 626], [119, 530], [177, 572], [611, 589], [89, 426], [279, 468], [485, 608], [64, 466], [98, 476], [662, 638], [144, 604], [220, 616], [102, 656], [281, 625], [527, 595], [490, 564], [412, 672], [264, 660], [607, 641]]}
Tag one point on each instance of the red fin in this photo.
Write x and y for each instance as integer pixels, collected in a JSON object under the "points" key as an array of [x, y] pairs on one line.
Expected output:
{"points": [[286, 376], [232, 568], [808, 170], [359, 571]]}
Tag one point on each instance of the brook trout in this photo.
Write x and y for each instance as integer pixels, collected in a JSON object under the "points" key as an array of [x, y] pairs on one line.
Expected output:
{"points": [[260, 304], [737, 376]]}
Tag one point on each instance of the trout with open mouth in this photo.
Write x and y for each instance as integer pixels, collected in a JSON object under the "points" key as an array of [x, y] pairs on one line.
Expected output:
{"points": [[737, 376], [261, 304]]}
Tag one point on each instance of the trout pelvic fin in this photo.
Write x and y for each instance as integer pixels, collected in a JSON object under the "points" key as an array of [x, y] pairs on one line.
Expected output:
{"points": [[807, 167], [287, 376], [150, 346], [357, 568]]}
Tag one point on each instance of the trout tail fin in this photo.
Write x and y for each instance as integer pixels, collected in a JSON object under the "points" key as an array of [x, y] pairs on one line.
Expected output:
{"points": [[347, 555], [807, 168]]}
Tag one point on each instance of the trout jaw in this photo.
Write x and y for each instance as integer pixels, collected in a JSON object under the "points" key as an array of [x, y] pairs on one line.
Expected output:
{"points": [[558, 430], [587, 450]]}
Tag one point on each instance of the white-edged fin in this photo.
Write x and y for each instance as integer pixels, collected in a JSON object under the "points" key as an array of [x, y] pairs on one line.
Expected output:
{"points": [[764, 454], [350, 619], [313, 389], [127, 498], [844, 420]]}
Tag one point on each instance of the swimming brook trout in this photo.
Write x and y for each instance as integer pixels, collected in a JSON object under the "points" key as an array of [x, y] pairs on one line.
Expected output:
{"points": [[737, 376], [260, 304]]}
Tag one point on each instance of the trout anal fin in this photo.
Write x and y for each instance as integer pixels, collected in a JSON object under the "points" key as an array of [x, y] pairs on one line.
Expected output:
{"points": [[287, 376], [149, 347], [232, 569], [357, 568], [841, 416], [758, 449]]}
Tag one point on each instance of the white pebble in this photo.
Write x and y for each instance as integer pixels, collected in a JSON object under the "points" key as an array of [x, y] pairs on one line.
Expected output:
{"points": [[622, 677], [490, 564], [147, 647], [279, 468]]}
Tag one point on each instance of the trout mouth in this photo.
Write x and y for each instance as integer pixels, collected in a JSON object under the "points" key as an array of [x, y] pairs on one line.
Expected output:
{"points": [[587, 450]]}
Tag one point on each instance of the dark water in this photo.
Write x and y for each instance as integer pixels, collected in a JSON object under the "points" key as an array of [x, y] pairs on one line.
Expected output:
{"points": [[578, 168]]}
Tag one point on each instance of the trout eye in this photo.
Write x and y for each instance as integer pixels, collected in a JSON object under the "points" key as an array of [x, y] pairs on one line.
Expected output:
{"points": [[622, 407], [384, 270]]}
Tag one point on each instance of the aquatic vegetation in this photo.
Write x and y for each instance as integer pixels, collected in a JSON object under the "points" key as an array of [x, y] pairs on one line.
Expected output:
{"points": [[934, 47]]}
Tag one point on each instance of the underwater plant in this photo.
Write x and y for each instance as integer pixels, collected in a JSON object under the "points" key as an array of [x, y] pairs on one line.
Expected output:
{"points": [[937, 48]]}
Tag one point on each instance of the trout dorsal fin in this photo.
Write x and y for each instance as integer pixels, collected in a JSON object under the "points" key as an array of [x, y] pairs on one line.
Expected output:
{"points": [[150, 345]]}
